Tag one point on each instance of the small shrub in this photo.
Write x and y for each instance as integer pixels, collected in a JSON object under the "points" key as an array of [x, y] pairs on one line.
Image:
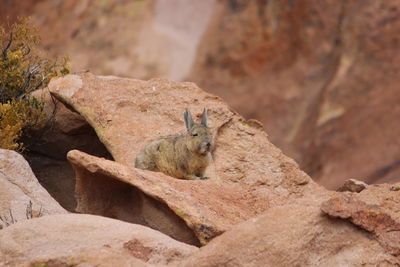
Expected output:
{"points": [[23, 70], [6, 221]]}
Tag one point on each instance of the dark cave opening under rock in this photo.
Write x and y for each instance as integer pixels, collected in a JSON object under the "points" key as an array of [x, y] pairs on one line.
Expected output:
{"points": [[46, 152]]}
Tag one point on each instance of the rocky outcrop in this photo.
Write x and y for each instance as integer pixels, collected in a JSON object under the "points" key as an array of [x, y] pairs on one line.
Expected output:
{"points": [[189, 211], [321, 77], [21, 195], [248, 174], [47, 149], [257, 207], [299, 234], [352, 185], [77, 239], [295, 234], [320, 74], [373, 210], [253, 197]]}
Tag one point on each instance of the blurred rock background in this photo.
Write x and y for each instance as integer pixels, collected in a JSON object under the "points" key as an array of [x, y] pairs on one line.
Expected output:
{"points": [[322, 76]]}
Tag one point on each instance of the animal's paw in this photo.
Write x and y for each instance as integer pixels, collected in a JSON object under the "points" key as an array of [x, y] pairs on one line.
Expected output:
{"points": [[204, 177]]}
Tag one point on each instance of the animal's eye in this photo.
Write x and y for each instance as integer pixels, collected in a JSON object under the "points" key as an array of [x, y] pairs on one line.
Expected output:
{"points": [[195, 134]]}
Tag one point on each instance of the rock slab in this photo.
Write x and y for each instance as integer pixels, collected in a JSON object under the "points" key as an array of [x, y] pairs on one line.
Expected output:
{"points": [[77, 239], [21, 195], [248, 174]]}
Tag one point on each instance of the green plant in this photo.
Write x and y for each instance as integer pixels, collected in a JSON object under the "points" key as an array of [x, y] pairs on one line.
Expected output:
{"points": [[23, 69]]}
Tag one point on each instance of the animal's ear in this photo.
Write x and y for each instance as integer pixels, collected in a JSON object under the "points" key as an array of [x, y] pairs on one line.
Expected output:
{"points": [[204, 117], [188, 120]]}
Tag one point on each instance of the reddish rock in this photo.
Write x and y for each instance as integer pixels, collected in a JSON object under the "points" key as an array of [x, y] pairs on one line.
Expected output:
{"points": [[365, 93], [256, 208], [83, 28], [369, 217], [386, 196], [142, 39], [295, 234], [189, 211], [21, 195], [248, 174], [320, 75], [10, 11], [77, 239], [352, 185], [251, 178]]}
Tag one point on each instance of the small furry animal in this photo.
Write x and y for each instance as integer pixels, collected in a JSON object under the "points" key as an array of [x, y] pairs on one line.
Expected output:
{"points": [[182, 156]]}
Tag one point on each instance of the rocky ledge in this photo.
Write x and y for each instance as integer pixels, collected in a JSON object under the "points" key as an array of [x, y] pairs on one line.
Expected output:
{"points": [[257, 208]]}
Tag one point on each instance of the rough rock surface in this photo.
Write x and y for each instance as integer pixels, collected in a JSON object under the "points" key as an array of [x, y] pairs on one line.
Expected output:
{"points": [[386, 196], [352, 185], [296, 234], [21, 195], [250, 178], [110, 189], [247, 170], [321, 75], [86, 240], [375, 209]]}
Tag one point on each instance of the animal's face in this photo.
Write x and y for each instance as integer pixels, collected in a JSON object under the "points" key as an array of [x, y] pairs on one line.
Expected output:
{"points": [[199, 139]]}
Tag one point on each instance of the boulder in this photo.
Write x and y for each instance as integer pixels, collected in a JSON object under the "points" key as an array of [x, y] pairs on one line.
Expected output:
{"points": [[368, 217], [375, 210], [77, 239], [21, 195], [189, 211], [257, 207], [296, 234], [352, 185], [247, 173]]}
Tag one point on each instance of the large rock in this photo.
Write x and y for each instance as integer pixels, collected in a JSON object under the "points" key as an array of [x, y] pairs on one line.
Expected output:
{"points": [[248, 174], [375, 210], [298, 234], [249, 178], [293, 235], [185, 210], [76, 239], [281, 236], [21, 195]]}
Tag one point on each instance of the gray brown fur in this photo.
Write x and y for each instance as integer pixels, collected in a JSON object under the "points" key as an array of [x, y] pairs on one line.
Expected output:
{"points": [[182, 156]]}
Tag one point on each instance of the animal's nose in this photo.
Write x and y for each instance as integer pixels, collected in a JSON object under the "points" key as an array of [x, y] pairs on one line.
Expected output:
{"points": [[208, 145]]}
